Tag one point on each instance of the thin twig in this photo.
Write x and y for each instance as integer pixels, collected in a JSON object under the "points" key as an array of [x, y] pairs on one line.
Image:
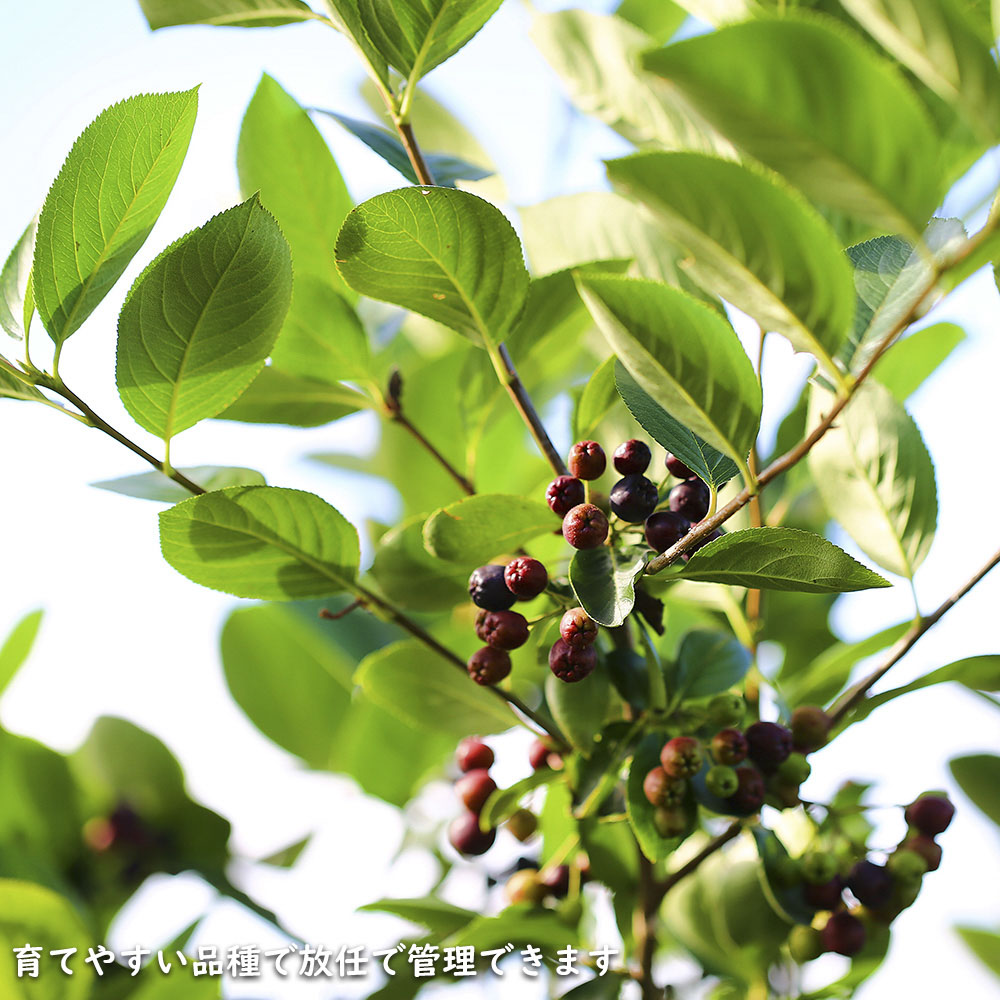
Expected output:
{"points": [[689, 868], [644, 928], [417, 161]]}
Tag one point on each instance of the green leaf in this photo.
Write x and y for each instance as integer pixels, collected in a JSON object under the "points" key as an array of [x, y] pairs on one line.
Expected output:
{"points": [[104, 202], [580, 708], [156, 486], [261, 541], [659, 19], [595, 402], [709, 662], [752, 240], [985, 945], [979, 777], [439, 917], [909, 362], [417, 685], [505, 801], [603, 580], [293, 685], [786, 900], [445, 254], [640, 809], [17, 646], [474, 530], [199, 322], [16, 286], [12, 387], [228, 13], [700, 457], [684, 355], [939, 44], [414, 36], [519, 925], [276, 397], [286, 857], [780, 559], [777, 89], [282, 156], [876, 478]]}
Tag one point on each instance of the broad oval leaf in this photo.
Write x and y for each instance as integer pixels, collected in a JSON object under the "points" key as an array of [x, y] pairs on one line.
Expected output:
{"points": [[580, 708], [684, 355], [699, 456], [603, 580], [474, 530], [157, 486], [911, 361], [774, 558], [752, 241], [778, 88], [415, 684], [277, 397], [445, 254], [16, 285], [876, 477], [431, 912], [200, 321], [226, 13], [640, 809], [709, 662], [104, 202], [979, 777], [265, 542]]}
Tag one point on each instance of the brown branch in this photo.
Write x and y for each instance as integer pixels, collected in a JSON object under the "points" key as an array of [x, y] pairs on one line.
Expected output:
{"points": [[417, 161], [716, 843], [645, 928]]}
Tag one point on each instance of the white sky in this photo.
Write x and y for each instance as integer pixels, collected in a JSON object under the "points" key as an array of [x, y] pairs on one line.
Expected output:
{"points": [[124, 634]]}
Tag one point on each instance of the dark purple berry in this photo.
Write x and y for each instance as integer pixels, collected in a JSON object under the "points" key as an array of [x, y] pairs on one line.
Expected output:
{"points": [[556, 881], [844, 934], [569, 664], [473, 754], [634, 498], [632, 458], [930, 814], [585, 527], [564, 493], [525, 577], [825, 896], [466, 837], [665, 528], [871, 884], [503, 629], [586, 460], [677, 468], [729, 746], [768, 744], [488, 589], [475, 788], [690, 499], [488, 665], [810, 727], [540, 755], [749, 797], [577, 628], [923, 845], [681, 757], [662, 789]]}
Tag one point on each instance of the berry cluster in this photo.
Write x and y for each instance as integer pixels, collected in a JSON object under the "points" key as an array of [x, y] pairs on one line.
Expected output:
{"points": [[474, 759]]}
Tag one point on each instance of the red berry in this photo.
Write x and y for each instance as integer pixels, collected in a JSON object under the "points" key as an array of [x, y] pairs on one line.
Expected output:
{"points": [[586, 460], [681, 757], [571, 664], [488, 589], [665, 528], [729, 746], [525, 577], [930, 814], [585, 526], [810, 727], [577, 628], [844, 934], [923, 845], [634, 498], [475, 788], [677, 468], [466, 837], [503, 629], [768, 744], [690, 499], [473, 754], [564, 493], [749, 797], [663, 790], [539, 753], [632, 457], [488, 665]]}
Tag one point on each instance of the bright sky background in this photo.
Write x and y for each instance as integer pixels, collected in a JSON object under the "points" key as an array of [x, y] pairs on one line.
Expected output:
{"points": [[125, 635]]}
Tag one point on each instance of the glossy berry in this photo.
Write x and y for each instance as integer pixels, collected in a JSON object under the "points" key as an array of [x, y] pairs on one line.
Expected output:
{"points": [[690, 499], [870, 883], [923, 845], [825, 896], [577, 628], [810, 727], [488, 589], [466, 837], [665, 528], [681, 757], [722, 781], [524, 886], [474, 788], [503, 629], [818, 867], [569, 664], [525, 577], [749, 796], [663, 790], [930, 814], [632, 458], [540, 755], [556, 881], [634, 498], [729, 746], [585, 526], [805, 943], [844, 934], [677, 468], [488, 665], [586, 460], [473, 754], [522, 824], [768, 744], [727, 709], [671, 821], [564, 493], [793, 770]]}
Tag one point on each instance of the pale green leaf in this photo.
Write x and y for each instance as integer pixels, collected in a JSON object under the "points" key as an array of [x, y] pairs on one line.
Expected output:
{"points": [[16, 286], [909, 362], [659, 19], [199, 322], [984, 944], [156, 486], [227, 13], [431, 912], [978, 775], [595, 402], [12, 387], [603, 580], [104, 202], [261, 541], [17, 646], [276, 397]]}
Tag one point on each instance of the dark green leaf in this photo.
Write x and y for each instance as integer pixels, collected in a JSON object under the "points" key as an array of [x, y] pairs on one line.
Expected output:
{"points": [[103, 203], [16, 286], [436, 915], [979, 777], [640, 810], [156, 486], [261, 541], [17, 646], [709, 662], [228, 13], [908, 363], [603, 580], [580, 708], [277, 397], [984, 944]]}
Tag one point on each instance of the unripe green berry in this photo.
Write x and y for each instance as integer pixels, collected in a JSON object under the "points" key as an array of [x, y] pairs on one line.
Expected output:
{"points": [[810, 727], [722, 781], [726, 709], [524, 886], [793, 770], [906, 866], [818, 867], [805, 943]]}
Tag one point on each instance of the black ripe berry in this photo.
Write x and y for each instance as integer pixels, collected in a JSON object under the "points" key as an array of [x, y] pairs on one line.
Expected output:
{"points": [[473, 754], [729, 746], [525, 577], [871, 884], [844, 934], [825, 896], [586, 460], [564, 493], [677, 468], [749, 796], [488, 665], [503, 629], [690, 499], [577, 628], [488, 589], [466, 837], [569, 664], [632, 457], [930, 814], [474, 789], [810, 727], [665, 528], [634, 498], [661, 789], [585, 527], [769, 744], [681, 757]]}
